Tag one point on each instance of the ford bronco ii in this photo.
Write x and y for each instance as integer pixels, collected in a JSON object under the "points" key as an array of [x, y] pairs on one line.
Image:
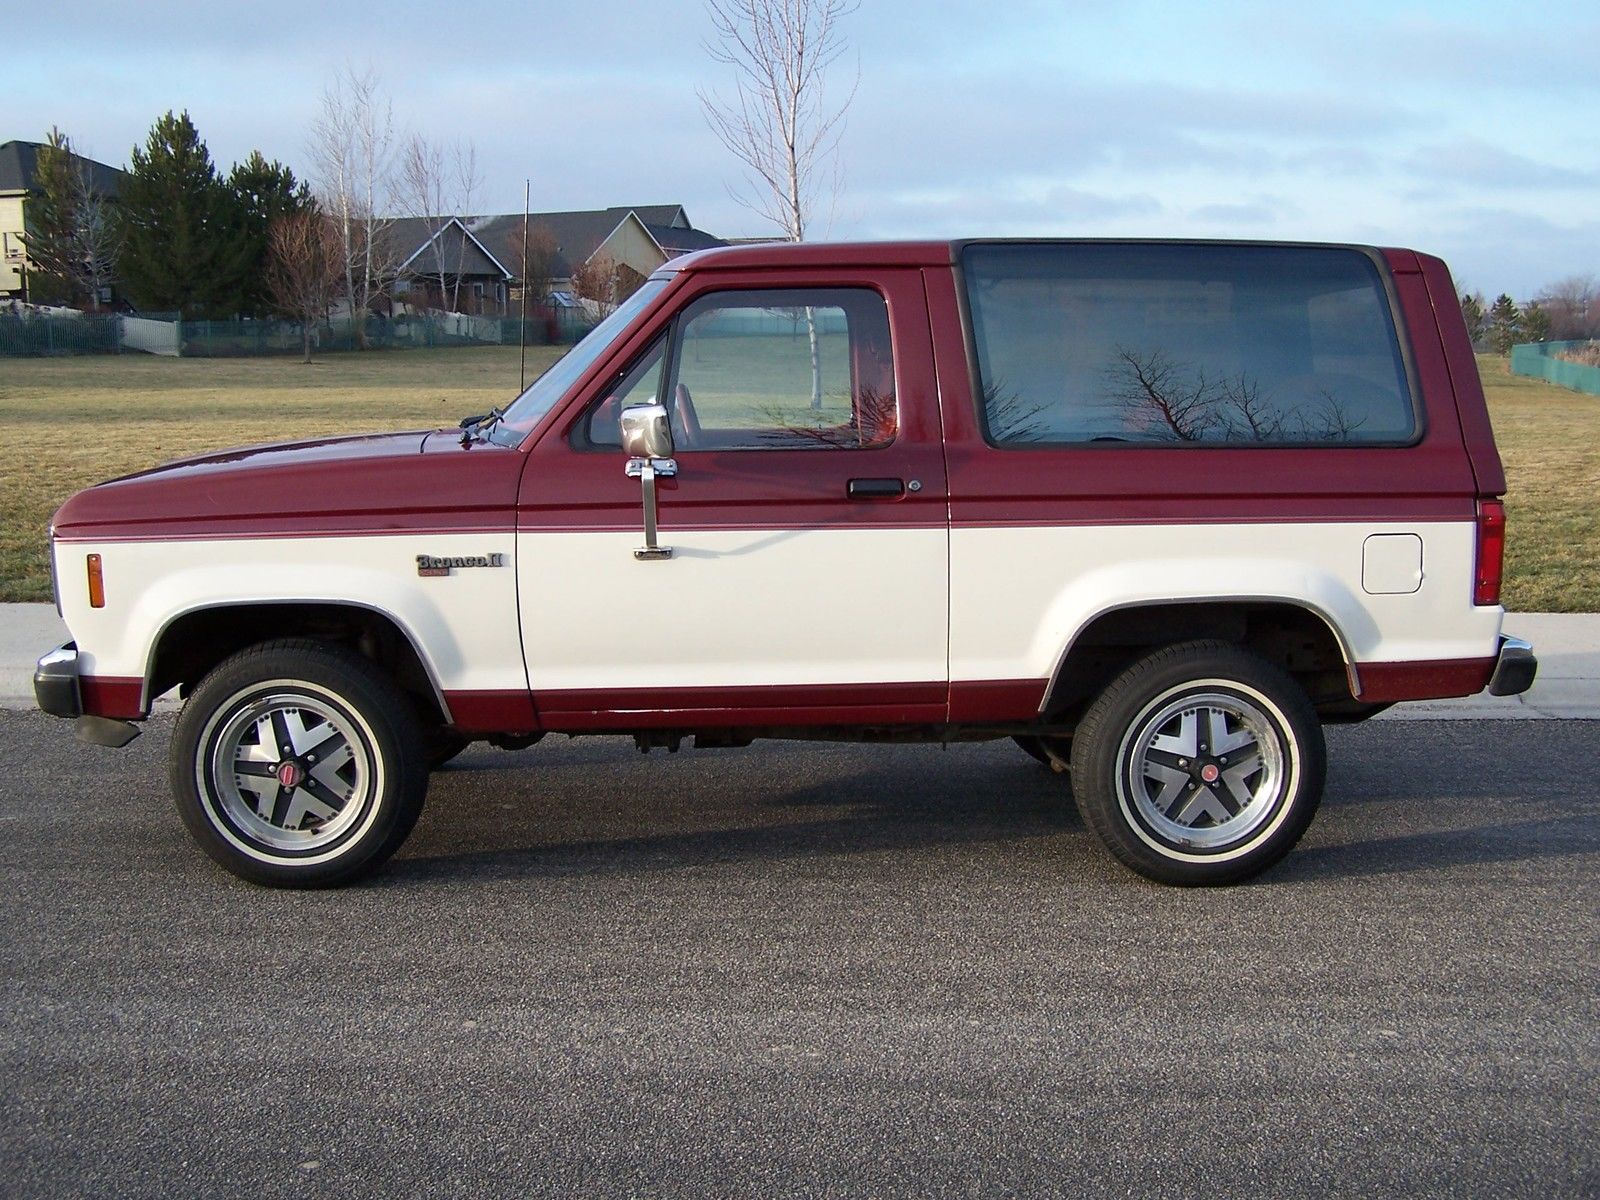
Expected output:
{"points": [[1155, 510]]}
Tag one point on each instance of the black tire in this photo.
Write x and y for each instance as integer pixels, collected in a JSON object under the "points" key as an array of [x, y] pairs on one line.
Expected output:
{"points": [[1222, 821], [324, 765], [1052, 752]]}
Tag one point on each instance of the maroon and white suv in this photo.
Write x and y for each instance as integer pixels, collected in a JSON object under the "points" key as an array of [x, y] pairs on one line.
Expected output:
{"points": [[1155, 510]]}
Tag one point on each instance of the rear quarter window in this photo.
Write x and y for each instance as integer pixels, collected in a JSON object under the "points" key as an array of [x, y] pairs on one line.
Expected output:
{"points": [[1176, 344]]}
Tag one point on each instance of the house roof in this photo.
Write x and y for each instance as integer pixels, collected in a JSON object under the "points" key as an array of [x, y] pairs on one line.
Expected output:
{"points": [[425, 243], [578, 234], [675, 240], [19, 167]]}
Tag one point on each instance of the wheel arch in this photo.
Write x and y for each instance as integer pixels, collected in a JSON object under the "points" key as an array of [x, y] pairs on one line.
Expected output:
{"points": [[191, 642], [1300, 637]]}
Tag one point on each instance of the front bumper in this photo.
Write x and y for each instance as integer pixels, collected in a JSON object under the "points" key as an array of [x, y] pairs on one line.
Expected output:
{"points": [[55, 682], [1514, 668], [57, 691]]}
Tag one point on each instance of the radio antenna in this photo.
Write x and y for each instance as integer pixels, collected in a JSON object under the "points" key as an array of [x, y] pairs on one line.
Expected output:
{"points": [[522, 325]]}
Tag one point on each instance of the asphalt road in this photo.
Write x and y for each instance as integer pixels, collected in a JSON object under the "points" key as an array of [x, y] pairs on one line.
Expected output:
{"points": [[809, 970]]}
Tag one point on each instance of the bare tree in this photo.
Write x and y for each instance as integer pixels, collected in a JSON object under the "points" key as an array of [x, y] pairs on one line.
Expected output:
{"points": [[305, 258], [535, 252], [1165, 400], [437, 184], [351, 147], [595, 280], [1574, 307], [779, 123]]}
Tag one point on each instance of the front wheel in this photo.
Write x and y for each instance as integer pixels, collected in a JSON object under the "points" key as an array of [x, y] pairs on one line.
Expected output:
{"points": [[1200, 764], [298, 764]]}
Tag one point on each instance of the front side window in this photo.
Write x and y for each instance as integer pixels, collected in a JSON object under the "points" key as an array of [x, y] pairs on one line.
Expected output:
{"points": [[1185, 344], [761, 370]]}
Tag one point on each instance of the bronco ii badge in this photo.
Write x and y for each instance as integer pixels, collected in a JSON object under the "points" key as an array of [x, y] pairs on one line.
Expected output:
{"points": [[429, 564]]}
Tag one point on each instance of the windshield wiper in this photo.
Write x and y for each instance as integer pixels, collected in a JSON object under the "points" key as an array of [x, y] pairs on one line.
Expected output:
{"points": [[480, 424]]}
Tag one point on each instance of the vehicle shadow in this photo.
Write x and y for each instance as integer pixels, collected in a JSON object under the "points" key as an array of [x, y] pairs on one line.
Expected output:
{"points": [[858, 814]]}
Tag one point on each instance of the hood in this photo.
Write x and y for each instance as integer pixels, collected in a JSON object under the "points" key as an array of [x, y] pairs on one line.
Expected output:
{"points": [[274, 455], [386, 482]]}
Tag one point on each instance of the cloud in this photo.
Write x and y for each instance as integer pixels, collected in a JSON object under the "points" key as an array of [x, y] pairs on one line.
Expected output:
{"points": [[1471, 160], [1264, 210]]}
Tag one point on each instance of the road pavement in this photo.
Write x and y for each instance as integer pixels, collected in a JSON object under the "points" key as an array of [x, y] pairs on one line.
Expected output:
{"points": [[803, 970]]}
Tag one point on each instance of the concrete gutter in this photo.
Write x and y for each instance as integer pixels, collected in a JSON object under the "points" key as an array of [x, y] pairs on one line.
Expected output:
{"points": [[1568, 646]]}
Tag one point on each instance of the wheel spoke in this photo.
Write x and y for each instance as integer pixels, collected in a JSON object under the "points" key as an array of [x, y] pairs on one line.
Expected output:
{"points": [[265, 747], [280, 806], [1235, 776], [328, 766], [304, 733], [305, 802], [281, 742], [262, 790], [1223, 740], [1185, 743], [1172, 782], [1202, 802], [326, 746]]}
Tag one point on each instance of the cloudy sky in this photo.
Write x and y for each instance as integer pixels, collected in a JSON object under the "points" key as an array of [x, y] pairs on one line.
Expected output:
{"points": [[1468, 129]]}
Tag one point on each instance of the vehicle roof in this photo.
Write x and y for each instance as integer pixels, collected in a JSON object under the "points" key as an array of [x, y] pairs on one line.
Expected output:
{"points": [[922, 253]]}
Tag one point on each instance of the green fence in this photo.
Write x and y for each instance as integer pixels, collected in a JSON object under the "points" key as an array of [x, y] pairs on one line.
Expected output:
{"points": [[1538, 360], [33, 336], [28, 337]]}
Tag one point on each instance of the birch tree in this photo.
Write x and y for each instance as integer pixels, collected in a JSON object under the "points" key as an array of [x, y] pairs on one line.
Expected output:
{"points": [[436, 184], [351, 150], [779, 122]]}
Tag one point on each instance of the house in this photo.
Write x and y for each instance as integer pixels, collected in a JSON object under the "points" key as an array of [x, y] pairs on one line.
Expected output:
{"points": [[484, 255], [18, 181], [443, 266]]}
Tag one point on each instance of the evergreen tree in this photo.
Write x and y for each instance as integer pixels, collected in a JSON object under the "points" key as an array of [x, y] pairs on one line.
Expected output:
{"points": [[1535, 322], [261, 193], [1505, 324], [180, 251], [1472, 313], [69, 229], [50, 220]]}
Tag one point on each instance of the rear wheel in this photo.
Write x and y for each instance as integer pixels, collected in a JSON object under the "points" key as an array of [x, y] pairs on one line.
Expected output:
{"points": [[298, 764], [1201, 764]]}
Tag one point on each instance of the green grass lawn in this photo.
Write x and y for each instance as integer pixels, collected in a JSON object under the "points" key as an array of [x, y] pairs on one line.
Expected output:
{"points": [[1549, 439], [66, 423]]}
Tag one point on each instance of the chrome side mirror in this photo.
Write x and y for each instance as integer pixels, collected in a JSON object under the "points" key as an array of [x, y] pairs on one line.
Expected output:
{"points": [[646, 432], [647, 437]]}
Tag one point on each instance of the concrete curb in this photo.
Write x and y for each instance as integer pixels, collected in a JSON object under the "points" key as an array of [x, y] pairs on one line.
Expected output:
{"points": [[1568, 687]]}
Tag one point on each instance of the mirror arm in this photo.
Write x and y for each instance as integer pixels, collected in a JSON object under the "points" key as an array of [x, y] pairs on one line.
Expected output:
{"points": [[646, 470]]}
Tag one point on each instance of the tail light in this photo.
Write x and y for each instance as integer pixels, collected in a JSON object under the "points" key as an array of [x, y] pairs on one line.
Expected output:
{"points": [[1491, 552]]}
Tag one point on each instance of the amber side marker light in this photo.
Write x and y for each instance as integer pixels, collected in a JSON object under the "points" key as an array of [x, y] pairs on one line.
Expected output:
{"points": [[97, 583], [1491, 551]]}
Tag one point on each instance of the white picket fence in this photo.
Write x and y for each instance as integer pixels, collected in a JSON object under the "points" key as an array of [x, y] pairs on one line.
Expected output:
{"points": [[153, 337]]}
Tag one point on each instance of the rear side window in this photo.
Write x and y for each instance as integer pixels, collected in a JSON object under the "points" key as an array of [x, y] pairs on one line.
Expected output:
{"points": [[1185, 345]]}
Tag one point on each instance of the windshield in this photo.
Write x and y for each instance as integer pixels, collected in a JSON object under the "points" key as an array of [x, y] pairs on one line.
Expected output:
{"points": [[529, 408]]}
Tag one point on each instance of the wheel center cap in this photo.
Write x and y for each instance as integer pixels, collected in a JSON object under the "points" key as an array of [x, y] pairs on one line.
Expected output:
{"points": [[291, 774], [1210, 773]]}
